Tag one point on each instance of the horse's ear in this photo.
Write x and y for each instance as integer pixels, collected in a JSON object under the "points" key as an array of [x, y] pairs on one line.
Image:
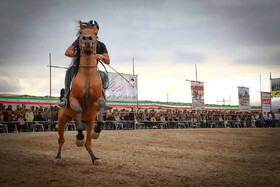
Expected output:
{"points": [[81, 25]]}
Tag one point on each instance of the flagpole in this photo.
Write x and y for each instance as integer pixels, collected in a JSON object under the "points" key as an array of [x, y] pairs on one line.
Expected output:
{"points": [[195, 73]]}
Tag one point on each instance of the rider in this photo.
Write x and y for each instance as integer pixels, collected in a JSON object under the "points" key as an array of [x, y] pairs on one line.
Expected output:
{"points": [[101, 54]]}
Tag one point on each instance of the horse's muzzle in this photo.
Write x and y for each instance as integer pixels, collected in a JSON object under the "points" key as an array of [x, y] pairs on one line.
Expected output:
{"points": [[87, 41]]}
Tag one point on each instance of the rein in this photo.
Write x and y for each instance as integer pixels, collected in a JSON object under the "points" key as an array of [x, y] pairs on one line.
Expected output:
{"points": [[115, 71]]}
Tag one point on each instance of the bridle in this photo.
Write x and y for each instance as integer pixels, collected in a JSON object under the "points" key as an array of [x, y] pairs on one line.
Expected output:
{"points": [[87, 40]]}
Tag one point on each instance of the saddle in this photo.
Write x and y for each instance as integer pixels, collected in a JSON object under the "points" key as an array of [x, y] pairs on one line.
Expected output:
{"points": [[105, 80]]}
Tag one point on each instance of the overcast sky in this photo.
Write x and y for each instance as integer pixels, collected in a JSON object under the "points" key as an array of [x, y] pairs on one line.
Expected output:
{"points": [[232, 43]]}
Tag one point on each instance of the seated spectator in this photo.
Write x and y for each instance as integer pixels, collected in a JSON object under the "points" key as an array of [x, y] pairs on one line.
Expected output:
{"points": [[38, 119], [153, 121]]}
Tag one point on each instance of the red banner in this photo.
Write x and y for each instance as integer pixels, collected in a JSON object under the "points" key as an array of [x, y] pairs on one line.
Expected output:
{"points": [[266, 101]]}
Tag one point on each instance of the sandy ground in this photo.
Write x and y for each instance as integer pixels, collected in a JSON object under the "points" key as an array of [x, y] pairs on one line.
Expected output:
{"points": [[183, 157]]}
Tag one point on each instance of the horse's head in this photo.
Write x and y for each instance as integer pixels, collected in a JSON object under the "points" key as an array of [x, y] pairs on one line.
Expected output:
{"points": [[88, 37]]}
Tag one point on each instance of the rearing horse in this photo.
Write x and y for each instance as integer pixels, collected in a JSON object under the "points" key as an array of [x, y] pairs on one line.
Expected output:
{"points": [[86, 96]]}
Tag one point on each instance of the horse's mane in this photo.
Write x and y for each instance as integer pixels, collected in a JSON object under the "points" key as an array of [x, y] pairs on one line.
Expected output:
{"points": [[74, 66]]}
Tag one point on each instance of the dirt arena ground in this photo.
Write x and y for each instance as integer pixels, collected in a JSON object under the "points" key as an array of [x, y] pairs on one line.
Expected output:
{"points": [[182, 157]]}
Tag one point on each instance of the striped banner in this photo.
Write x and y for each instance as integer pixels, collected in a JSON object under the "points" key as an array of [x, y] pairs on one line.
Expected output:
{"points": [[42, 101]]}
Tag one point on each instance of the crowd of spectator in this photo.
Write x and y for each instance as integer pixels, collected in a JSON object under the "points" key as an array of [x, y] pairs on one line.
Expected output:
{"points": [[27, 119], [30, 119]]}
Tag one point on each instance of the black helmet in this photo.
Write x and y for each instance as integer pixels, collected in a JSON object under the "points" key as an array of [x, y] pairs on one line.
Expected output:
{"points": [[91, 24]]}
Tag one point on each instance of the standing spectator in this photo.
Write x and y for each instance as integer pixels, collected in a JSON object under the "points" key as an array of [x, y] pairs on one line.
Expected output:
{"points": [[8, 118], [109, 121], [18, 108], [265, 118], [21, 123], [14, 124], [221, 121], [54, 117], [131, 119], [1, 107], [29, 118], [10, 107], [123, 120], [117, 120], [23, 107], [257, 120], [277, 118], [1, 118], [270, 120], [47, 119]]}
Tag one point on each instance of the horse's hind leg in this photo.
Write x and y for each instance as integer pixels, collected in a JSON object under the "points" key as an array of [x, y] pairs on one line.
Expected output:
{"points": [[100, 122], [89, 129], [74, 103], [61, 127]]}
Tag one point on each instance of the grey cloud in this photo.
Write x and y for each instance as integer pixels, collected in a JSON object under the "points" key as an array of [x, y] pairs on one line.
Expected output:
{"points": [[188, 57], [259, 60], [35, 28]]}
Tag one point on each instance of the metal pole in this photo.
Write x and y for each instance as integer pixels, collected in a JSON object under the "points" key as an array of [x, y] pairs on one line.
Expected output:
{"points": [[50, 57], [271, 103], [270, 82], [133, 65], [167, 97], [260, 83]]}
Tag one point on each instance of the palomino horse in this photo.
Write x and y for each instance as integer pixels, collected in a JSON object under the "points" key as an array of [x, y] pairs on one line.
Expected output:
{"points": [[86, 96]]}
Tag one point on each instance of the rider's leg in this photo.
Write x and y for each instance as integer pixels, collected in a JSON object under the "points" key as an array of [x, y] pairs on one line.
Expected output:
{"points": [[105, 80], [67, 81]]}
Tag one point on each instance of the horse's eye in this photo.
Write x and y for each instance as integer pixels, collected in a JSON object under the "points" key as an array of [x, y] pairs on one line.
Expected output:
{"points": [[90, 38], [84, 37]]}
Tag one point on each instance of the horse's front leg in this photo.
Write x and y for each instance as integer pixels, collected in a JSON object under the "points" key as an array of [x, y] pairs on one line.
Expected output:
{"points": [[75, 105], [100, 122], [89, 129]]}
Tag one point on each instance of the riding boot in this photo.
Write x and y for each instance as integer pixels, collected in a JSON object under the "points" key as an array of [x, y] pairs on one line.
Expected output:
{"points": [[107, 107], [64, 100]]}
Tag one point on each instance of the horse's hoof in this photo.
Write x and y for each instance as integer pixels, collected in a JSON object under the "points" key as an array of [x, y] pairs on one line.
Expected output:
{"points": [[97, 161], [94, 135], [57, 161], [80, 143]]}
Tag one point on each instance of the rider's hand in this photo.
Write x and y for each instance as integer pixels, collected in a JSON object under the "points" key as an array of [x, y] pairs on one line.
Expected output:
{"points": [[99, 57]]}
